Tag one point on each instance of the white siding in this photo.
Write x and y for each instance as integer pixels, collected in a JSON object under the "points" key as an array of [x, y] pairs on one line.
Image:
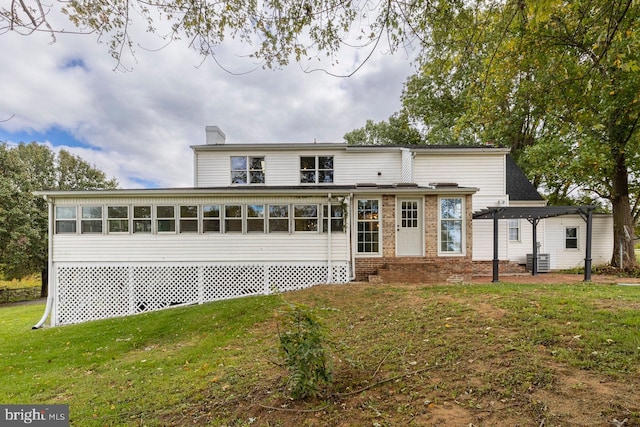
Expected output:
{"points": [[370, 167], [601, 247], [199, 248], [283, 166], [212, 169], [518, 250], [483, 240], [485, 172]]}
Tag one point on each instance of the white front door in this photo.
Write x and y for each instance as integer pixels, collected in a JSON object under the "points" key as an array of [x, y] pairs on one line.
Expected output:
{"points": [[409, 227]]}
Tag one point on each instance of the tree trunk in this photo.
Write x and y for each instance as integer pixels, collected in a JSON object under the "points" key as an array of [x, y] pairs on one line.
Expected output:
{"points": [[623, 224], [44, 282]]}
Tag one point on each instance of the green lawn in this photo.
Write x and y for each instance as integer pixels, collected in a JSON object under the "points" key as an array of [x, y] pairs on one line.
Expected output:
{"points": [[115, 371], [477, 346]]}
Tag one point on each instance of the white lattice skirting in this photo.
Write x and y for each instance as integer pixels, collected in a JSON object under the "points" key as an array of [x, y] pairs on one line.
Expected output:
{"points": [[89, 292]]}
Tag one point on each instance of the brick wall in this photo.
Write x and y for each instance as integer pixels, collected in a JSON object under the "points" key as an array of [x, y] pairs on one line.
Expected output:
{"points": [[427, 268], [485, 268]]}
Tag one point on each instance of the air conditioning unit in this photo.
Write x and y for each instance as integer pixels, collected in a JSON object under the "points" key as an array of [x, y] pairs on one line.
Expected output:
{"points": [[544, 263]]}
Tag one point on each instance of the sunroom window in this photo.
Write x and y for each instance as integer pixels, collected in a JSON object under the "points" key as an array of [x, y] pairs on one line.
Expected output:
{"points": [[65, 219], [255, 218], [211, 218], [166, 219], [337, 218], [142, 219], [118, 219], [305, 217], [91, 221], [189, 219], [233, 219], [278, 218]]}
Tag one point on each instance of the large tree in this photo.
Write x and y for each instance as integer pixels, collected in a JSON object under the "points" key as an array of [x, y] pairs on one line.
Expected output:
{"points": [[557, 81], [23, 217]]}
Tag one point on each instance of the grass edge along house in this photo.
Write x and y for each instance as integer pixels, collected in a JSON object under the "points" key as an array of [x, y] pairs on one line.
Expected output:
{"points": [[278, 217]]}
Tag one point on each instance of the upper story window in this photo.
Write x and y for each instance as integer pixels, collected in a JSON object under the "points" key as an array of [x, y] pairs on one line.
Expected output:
{"points": [[91, 221], [142, 219], [514, 230], [65, 219], [451, 225], [316, 169], [166, 219], [118, 219], [247, 170], [571, 238]]}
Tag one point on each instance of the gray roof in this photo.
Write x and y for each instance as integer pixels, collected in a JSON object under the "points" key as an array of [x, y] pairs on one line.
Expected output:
{"points": [[518, 185]]}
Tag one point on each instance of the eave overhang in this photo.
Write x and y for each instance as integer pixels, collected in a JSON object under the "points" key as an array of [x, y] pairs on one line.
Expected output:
{"points": [[260, 191]]}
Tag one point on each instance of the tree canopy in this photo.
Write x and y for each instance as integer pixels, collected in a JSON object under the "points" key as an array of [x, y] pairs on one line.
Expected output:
{"points": [[277, 31], [23, 217], [557, 81]]}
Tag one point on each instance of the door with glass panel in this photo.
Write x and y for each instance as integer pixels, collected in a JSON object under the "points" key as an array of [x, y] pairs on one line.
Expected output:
{"points": [[409, 227]]}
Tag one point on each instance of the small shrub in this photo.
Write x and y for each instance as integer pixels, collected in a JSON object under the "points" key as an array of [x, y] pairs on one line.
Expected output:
{"points": [[302, 347]]}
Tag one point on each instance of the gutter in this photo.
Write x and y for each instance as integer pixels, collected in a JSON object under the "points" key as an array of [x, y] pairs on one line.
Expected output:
{"points": [[49, 306]]}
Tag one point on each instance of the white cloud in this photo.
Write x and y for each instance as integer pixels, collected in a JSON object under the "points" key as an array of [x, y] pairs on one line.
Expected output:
{"points": [[138, 125]]}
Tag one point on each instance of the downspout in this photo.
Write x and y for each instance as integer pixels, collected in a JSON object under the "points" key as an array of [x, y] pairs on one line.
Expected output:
{"points": [[352, 242], [47, 309], [329, 246]]}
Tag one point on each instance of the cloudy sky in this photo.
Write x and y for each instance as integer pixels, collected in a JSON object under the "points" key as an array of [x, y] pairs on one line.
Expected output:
{"points": [[138, 125]]}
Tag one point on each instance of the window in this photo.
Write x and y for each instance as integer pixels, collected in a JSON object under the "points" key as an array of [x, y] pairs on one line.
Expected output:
{"points": [[166, 219], [316, 170], [211, 219], [189, 219], [305, 217], [91, 221], [142, 219], [255, 218], [368, 226], [571, 238], [451, 225], [65, 219], [247, 170], [233, 219], [514, 230], [278, 218], [337, 218], [118, 219]]}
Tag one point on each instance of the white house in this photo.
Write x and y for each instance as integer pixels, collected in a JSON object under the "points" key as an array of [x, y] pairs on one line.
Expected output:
{"points": [[265, 217]]}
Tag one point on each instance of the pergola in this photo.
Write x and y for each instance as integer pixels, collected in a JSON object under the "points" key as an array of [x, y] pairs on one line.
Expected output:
{"points": [[534, 214]]}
